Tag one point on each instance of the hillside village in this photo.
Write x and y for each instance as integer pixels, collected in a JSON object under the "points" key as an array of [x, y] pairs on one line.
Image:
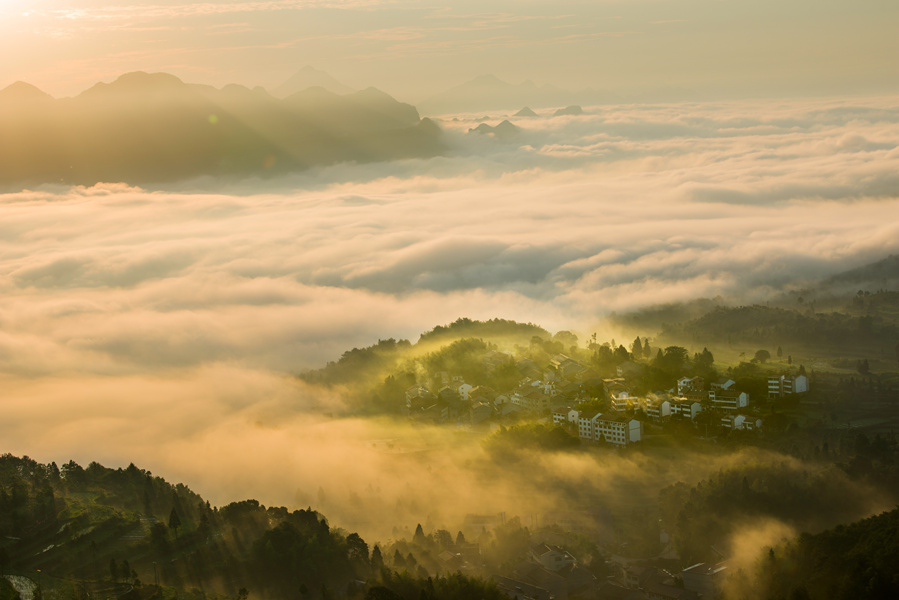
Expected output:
{"points": [[616, 412], [574, 394]]}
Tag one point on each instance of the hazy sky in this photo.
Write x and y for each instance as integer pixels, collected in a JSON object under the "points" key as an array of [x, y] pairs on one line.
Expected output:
{"points": [[414, 48]]}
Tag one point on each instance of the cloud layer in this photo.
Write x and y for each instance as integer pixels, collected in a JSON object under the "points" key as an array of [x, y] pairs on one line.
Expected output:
{"points": [[160, 326]]}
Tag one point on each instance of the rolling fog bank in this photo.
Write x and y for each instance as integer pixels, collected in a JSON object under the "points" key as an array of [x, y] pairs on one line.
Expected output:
{"points": [[162, 327]]}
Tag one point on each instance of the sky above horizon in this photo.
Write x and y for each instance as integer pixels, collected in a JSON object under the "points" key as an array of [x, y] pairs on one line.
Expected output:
{"points": [[706, 48]]}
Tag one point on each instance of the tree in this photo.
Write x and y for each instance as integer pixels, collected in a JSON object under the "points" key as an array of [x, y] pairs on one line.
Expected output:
{"points": [[398, 561], [357, 549], [762, 356], [125, 570], [637, 348], [174, 521], [567, 338], [113, 569], [419, 537], [377, 561], [647, 351]]}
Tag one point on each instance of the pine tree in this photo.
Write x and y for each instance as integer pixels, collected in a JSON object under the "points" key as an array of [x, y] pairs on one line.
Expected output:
{"points": [[398, 561], [637, 348], [419, 537], [377, 561], [174, 521]]}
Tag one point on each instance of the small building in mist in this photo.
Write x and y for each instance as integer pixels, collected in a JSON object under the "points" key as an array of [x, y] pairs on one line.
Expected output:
{"points": [[705, 579], [785, 386], [685, 408], [613, 429], [728, 400]]}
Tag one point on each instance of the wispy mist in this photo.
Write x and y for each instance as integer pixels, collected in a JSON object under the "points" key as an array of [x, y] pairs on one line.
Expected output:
{"points": [[161, 327]]}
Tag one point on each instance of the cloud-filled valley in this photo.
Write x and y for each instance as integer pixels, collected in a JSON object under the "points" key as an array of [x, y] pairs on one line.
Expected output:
{"points": [[131, 315]]}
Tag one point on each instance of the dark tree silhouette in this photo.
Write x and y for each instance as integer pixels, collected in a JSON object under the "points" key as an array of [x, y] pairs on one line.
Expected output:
{"points": [[174, 521]]}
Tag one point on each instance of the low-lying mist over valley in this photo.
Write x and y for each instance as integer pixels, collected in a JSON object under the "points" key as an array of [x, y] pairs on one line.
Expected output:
{"points": [[257, 335]]}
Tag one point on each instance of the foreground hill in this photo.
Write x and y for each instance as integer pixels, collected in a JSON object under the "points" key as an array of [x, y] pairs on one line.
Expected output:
{"points": [[852, 561], [96, 532], [153, 127]]}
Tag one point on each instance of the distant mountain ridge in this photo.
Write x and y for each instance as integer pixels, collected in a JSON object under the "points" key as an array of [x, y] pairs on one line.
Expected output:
{"points": [[308, 77], [490, 93], [153, 127]]}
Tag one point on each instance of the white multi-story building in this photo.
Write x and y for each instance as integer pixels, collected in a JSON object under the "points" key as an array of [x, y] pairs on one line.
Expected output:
{"points": [[786, 385], [729, 400], [618, 430], [682, 407], [614, 429], [690, 384], [562, 416], [657, 408], [585, 424], [621, 402]]}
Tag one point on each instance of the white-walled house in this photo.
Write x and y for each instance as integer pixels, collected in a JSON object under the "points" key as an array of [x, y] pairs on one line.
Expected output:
{"points": [[464, 389], [621, 402], [551, 558], [734, 422], [729, 400], [613, 428], [690, 384], [657, 408], [685, 408], [786, 385], [585, 424]]}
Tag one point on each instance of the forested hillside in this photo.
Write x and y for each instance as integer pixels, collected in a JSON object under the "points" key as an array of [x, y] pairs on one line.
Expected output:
{"points": [[82, 532]]}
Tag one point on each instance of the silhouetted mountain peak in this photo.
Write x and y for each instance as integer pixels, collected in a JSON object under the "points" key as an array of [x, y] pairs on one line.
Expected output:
{"points": [[308, 77], [137, 84], [573, 110], [506, 128], [525, 112], [503, 131], [315, 94], [23, 92], [488, 80], [373, 94]]}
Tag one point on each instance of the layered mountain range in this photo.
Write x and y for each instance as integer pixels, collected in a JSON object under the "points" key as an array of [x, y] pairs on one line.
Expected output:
{"points": [[153, 127]]}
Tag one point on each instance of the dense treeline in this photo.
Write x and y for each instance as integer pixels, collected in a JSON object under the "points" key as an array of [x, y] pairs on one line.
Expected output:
{"points": [[360, 365], [765, 326], [403, 586], [497, 329], [508, 442], [122, 529], [705, 517], [378, 376], [848, 562]]}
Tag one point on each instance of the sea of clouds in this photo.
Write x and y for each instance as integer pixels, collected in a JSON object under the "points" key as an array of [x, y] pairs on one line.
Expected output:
{"points": [[163, 326]]}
